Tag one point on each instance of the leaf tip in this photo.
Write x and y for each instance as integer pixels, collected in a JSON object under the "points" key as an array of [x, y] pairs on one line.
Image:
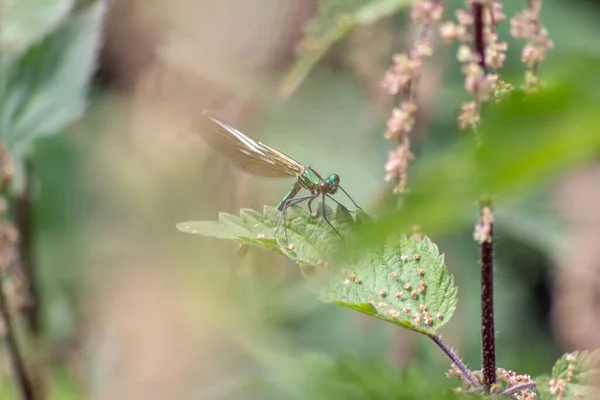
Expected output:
{"points": [[185, 227]]}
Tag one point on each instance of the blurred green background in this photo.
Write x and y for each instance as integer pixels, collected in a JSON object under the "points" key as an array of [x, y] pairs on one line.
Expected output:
{"points": [[132, 308]]}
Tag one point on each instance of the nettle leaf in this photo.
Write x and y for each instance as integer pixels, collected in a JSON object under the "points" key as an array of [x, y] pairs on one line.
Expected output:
{"points": [[26, 22], [334, 20], [313, 242], [404, 281], [46, 88], [574, 376], [309, 238], [250, 228]]}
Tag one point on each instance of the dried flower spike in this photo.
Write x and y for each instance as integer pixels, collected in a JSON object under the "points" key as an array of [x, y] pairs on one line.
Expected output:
{"points": [[401, 79], [527, 26]]}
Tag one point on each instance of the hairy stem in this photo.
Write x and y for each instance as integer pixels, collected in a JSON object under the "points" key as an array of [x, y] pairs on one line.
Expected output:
{"points": [[16, 358], [519, 387], [488, 339], [466, 372]]}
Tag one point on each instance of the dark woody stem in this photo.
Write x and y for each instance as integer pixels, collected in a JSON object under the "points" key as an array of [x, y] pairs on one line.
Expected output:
{"points": [[478, 28], [488, 339]]}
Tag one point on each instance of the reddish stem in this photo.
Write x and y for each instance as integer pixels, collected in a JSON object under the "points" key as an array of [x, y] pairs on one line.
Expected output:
{"points": [[479, 38], [488, 339]]}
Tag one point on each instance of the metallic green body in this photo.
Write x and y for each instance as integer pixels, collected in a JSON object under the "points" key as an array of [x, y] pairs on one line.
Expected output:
{"points": [[313, 182]]}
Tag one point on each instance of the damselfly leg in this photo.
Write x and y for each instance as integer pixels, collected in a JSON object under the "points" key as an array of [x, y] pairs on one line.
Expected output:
{"points": [[314, 214], [297, 200], [325, 215], [351, 199], [340, 204], [287, 204]]}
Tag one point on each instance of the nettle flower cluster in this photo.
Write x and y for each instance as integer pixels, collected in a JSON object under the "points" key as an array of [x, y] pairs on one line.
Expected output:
{"points": [[480, 51]]}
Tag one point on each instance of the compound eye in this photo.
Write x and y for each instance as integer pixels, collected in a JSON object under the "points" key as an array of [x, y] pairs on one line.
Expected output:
{"points": [[324, 186], [336, 178]]}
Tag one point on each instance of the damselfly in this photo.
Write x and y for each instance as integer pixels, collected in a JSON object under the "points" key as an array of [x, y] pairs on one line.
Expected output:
{"points": [[259, 158]]}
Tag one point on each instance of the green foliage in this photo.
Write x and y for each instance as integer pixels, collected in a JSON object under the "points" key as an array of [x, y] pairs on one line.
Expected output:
{"points": [[24, 23], [315, 376], [574, 376], [45, 88], [334, 20], [527, 140], [531, 221], [403, 281], [60, 385]]}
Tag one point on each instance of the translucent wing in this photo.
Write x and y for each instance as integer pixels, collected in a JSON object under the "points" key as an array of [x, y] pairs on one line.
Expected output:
{"points": [[248, 154]]}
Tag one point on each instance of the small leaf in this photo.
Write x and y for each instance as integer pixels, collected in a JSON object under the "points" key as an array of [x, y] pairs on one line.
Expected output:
{"points": [[574, 376], [334, 20], [46, 88]]}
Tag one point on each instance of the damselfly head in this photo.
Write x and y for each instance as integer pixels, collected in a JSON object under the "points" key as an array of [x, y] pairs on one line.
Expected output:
{"points": [[335, 178], [330, 185]]}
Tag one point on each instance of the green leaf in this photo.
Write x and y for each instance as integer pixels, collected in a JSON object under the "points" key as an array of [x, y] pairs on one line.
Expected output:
{"points": [[403, 281], [26, 22], [334, 20], [574, 376], [259, 234], [310, 238], [46, 88]]}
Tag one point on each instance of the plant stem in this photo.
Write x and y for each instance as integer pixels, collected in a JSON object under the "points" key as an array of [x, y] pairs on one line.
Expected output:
{"points": [[488, 339], [519, 387], [23, 380], [466, 372], [479, 39], [23, 221]]}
